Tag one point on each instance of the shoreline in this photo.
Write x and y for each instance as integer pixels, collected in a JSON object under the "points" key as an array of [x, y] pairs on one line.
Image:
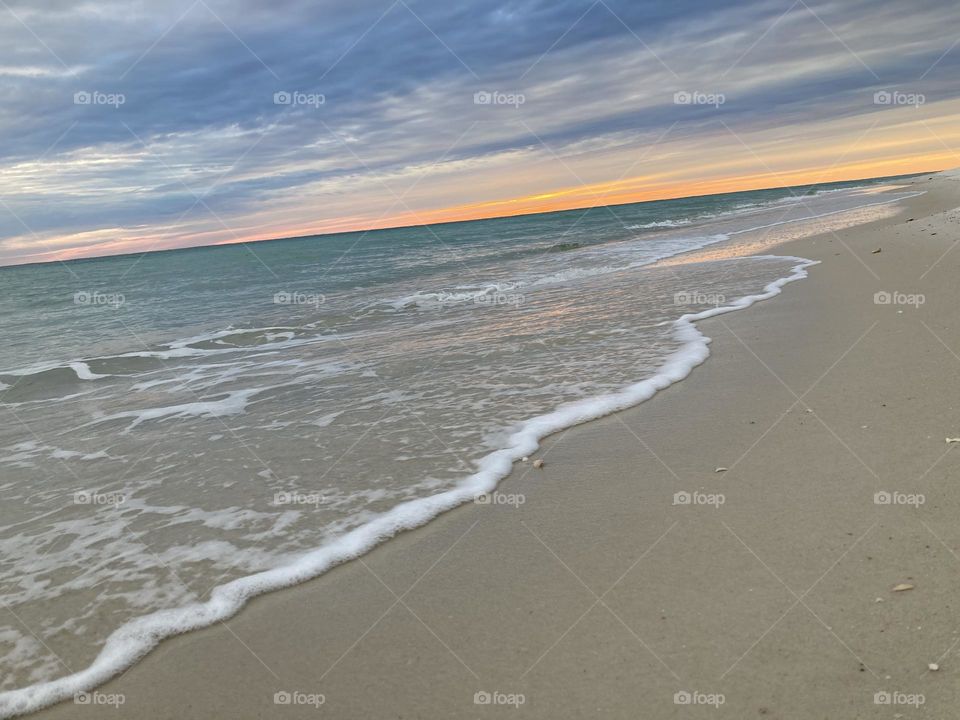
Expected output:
{"points": [[140, 636], [350, 576]]}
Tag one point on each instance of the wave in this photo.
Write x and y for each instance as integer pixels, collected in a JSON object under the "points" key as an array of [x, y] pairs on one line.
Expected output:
{"points": [[79, 370], [46, 380], [505, 292], [564, 247], [740, 208], [134, 639], [232, 403], [457, 296], [658, 224]]}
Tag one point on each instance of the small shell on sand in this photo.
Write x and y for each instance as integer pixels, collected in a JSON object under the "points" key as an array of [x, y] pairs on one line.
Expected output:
{"points": [[538, 463], [952, 440], [933, 666], [720, 469], [901, 587], [524, 458]]}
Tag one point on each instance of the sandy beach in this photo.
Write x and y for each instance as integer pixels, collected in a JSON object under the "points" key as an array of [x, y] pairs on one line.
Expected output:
{"points": [[718, 551]]}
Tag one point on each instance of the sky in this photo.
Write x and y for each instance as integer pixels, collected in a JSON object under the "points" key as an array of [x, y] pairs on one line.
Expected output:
{"points": [[127, 127]]}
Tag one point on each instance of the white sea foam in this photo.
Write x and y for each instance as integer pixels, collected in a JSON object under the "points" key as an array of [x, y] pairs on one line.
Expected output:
{"points": [[131, 641], [84, 373], [80, 368], [233, 403], [277, 338], [659, 224], [456, 296]]}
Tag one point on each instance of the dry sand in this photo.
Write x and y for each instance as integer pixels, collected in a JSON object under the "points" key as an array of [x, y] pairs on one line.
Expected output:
{"points": [[598, 597]]}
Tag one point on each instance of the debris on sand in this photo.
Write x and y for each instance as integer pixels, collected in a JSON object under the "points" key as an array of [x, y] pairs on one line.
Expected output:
{"points": [[933, 666], [878, 250], [952, 440], [538, 463], [901, 587], [720, 469]]}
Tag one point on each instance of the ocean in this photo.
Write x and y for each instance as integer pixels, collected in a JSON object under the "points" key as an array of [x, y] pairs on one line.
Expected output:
{"points": [[186, 429]]}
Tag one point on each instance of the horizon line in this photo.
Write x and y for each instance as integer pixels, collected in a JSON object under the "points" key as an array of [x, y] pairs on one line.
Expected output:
{"points": [[520, 213]]}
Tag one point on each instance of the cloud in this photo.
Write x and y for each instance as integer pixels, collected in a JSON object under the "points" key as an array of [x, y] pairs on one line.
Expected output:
{"points": [[198, 142]]}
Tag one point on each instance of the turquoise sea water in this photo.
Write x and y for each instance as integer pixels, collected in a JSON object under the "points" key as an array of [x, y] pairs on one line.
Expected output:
{"points": [[168, 294]]}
